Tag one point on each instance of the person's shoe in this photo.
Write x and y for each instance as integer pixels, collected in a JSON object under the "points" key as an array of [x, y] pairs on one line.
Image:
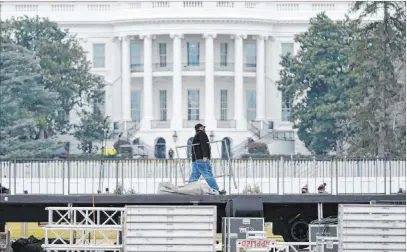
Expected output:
{"points": [[214, 192], [223, 192]]}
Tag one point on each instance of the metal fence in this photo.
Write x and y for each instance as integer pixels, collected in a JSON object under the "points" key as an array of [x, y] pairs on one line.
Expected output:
{"points": [[342, 176]]}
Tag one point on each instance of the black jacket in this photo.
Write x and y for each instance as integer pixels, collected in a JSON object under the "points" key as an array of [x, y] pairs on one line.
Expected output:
{"points": [[203, 149]]}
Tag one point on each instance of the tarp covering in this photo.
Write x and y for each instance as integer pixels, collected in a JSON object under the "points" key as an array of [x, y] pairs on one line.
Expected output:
{"points": [[195, 188], [30, 244]]}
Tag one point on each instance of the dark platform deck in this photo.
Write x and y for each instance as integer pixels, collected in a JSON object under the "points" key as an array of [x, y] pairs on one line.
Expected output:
{"points": [[50, 200]]}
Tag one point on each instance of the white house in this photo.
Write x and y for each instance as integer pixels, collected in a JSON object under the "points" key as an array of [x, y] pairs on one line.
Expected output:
{"points": [[171, 64]]}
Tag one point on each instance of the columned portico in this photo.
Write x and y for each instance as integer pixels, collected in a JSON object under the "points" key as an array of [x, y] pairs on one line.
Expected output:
{"points": [[148, 82], [260, 80], [210, 120], [176, 121], [239, 115], [126, 80]]}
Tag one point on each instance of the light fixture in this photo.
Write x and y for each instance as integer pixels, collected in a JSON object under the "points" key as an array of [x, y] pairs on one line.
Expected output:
{"points": [[212, 136], [174, 136]]}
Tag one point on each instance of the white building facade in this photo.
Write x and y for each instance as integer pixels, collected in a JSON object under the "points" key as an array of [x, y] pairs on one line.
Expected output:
{"points": [[169, 65]]}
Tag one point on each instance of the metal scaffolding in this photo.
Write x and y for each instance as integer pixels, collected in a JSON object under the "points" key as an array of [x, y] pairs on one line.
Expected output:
{"points": [[227, 170], [83, 229]]}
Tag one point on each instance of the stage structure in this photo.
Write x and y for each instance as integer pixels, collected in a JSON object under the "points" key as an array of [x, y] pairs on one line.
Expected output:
{"points": [[84, 229], [227, 171]]}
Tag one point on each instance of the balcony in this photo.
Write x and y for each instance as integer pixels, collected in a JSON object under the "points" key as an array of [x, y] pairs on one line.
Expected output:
{"points": [[249, 67], [136, 68], [162, 67], [191, 123], [158, 124], [114, 11], [226, 124], [222, 67], [193, 67]]}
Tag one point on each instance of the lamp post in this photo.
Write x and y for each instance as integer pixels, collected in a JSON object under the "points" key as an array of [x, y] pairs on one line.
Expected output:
{"points": [[174, 136], [211, 136]]}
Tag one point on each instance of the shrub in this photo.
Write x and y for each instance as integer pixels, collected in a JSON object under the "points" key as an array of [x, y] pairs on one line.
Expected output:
{"points": [[258, 148]]}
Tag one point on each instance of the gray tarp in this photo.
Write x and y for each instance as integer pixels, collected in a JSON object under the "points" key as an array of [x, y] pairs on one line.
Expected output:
{"points": [[195, 188]]}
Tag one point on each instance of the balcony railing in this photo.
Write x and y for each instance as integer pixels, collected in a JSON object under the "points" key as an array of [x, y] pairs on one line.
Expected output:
{"points": [[200, 66], [226, 124], [121, 10], [162, 67], [137, 68], [157, 124], [229, 66], [249, 67], [191, 123]]}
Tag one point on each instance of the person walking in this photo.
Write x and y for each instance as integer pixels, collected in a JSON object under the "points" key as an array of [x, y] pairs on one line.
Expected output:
{"points": [[201, 155]]}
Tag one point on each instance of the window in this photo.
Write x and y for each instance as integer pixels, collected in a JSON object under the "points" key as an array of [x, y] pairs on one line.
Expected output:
{"points": [[251, 105], [287, 48], [135, 54], [223, 54], [286, 108], [251, 55], [163, 105], [99, 55], [193, 53], [193, 105], [223, 105], [163, 54], [135, 106], [160, 148]]}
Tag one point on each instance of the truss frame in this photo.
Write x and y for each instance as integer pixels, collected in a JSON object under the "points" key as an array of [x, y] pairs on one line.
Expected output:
{"points": [[82, 225]]}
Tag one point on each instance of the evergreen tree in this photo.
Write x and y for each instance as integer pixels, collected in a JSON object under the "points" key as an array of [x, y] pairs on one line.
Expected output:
{"points": [[26, 107], [378, 114], [317, 79], [63, 64]]}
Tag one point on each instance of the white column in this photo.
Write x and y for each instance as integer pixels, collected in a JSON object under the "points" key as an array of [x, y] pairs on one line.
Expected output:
{"points": [[210, 121], [147, 83], [126, 80], [260, 80], [176, 120], [239, 98]]}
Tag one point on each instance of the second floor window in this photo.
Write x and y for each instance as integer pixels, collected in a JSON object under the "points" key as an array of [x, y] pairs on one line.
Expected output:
{"points": [[98, 55], [250, 55], [287, 48], [135, 54], [163, 105], [251, 105], [223, 105], [193, 105], [135, 106], [223, 54], [286, 108], [193, 53], [163, 54]]}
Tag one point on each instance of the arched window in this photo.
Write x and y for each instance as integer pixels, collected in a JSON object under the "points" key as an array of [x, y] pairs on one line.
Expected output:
{"points": [[160, 149], [226, 148], [189, 148]]}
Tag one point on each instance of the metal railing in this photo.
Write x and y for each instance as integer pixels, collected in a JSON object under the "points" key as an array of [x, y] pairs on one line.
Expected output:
{"points": [[229, 66], [226, 123], [158, 124], [280, 176], [191, 123], [137, 67], [162, 67], [199, 66]]}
